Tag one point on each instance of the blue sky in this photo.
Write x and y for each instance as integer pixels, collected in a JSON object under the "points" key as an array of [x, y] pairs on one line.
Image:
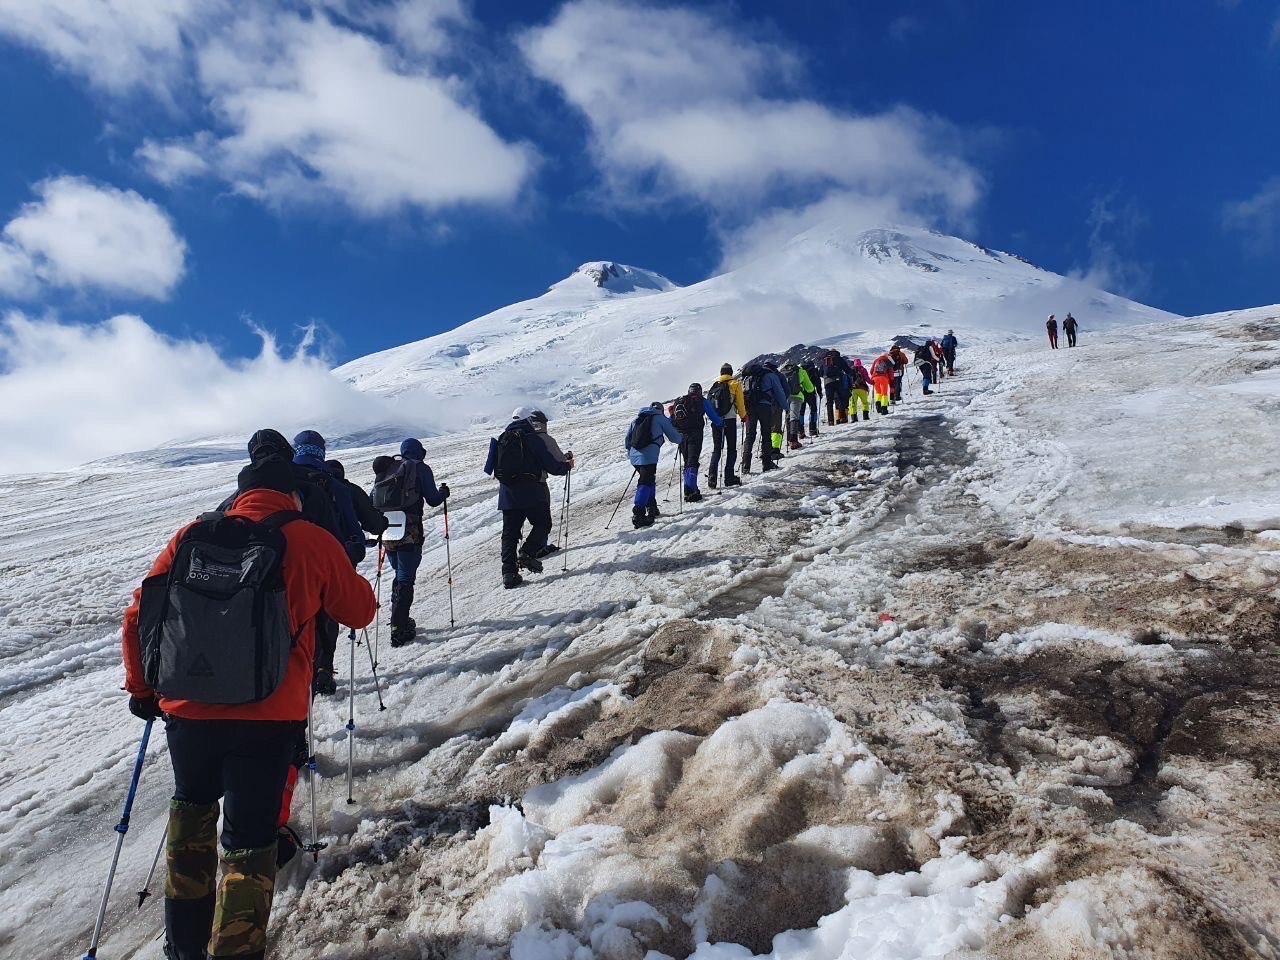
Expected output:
{"points": [[389, 170]]}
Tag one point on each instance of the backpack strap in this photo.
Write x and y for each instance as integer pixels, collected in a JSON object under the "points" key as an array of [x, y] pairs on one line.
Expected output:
{"points": [[280, 518]]}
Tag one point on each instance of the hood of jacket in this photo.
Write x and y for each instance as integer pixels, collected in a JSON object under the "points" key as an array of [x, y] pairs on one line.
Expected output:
{"points": [[260, 502], [412, 449], [268, 444]]}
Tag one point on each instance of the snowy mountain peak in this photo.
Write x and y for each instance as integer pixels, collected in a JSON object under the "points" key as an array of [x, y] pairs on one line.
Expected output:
{"points": [[615, 278], [614, 334]]}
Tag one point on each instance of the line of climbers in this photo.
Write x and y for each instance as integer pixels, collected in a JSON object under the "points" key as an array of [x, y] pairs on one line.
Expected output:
{"points": [[275, 567], [771, 401]]}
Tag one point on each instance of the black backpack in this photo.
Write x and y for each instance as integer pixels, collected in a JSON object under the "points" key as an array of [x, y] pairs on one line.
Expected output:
{"points": [[215, 628], [753, 383], [513, 460], [683, 411], [398, 488], [721, 397], [831, 365], [641, 426], [793, 382]]}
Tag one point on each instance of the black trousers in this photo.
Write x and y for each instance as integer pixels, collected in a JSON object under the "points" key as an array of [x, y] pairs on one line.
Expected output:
{"points": [[691, 450], [1071, 337], [539, 516], [724, 440], [243, 763], [326, 642], [895, 389], [811, 401], [762, 421]]}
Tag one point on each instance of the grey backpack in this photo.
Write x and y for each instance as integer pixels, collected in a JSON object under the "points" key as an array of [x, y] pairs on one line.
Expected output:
{"points": [[215, 628]]}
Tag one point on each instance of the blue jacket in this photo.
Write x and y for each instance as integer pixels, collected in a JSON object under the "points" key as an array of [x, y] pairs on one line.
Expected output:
{"points": [[412, 450], [949, 342], [662, 427], [775, 390], [351, 533], [530, 493]]}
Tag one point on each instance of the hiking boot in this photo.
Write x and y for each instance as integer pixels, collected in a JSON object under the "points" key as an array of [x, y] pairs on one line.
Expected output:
{"points": [[813, 431], [324, 684], [546, 551], [928, 392], [401, 636], [866, 414], [529, 563], [769, 466], [639, 518], [653, 510], [692, 495], [732, 481], [511, 581], [711, 482], [794, 444]]}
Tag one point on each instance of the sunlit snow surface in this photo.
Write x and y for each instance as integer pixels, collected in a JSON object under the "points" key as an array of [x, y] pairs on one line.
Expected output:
{"points": [[476, 833], [638, 337]]}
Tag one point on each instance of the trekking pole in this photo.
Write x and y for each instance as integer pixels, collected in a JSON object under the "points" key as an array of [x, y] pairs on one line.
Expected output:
{"points": [[377, 684], [634, 473], [681, 461], [564, 517], [448, 559], [377, 623], [155, 861], [315, 846], [675, 463], [121, 829], [351, 718]]}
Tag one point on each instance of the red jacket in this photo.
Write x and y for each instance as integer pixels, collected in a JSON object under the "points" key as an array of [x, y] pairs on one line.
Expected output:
{"points": [[317, 576]]}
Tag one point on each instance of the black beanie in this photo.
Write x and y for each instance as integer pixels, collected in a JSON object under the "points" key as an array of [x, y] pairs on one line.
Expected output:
{"points": [[270, 474], [727, 369], [336, 468]]}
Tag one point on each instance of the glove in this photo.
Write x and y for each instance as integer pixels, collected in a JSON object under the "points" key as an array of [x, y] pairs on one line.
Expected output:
{"points": [[568, 457], [145, 708], [444, 490]]}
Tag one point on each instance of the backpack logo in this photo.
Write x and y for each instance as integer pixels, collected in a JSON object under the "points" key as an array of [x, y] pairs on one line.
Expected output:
{"points": [[200, 666]]}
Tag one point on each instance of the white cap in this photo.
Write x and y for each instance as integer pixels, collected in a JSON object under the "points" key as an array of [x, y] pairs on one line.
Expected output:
{"points": [[522, 413]]}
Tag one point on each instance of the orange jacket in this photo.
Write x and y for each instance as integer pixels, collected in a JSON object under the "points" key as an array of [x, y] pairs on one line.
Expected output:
{"points": [[317, 576]]}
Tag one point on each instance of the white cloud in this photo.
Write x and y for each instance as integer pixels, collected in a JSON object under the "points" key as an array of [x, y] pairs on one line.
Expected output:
{"points": [[172, 163], [117, 45], [72, 393], [82, 235], [1113, 231], [300, 100], [310, 110], [1257, 217], [679, 104]]}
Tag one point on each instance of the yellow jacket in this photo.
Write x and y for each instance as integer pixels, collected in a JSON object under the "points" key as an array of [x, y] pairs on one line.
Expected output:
{"points": [[735, 391]]}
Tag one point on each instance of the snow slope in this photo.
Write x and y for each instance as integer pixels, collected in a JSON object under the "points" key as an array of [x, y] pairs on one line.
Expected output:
{"points": [[992, 676], [612, 333]]}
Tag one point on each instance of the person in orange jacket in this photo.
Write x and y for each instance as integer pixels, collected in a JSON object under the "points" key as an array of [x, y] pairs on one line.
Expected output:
{"points": [[882, 379], [241, 751]]}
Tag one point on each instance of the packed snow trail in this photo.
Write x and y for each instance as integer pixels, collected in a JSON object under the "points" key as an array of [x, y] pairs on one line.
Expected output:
{"points": [[892, 693]]}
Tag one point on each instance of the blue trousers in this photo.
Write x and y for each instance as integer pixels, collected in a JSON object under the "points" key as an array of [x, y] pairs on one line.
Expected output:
{"points": [[404, 562]]}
